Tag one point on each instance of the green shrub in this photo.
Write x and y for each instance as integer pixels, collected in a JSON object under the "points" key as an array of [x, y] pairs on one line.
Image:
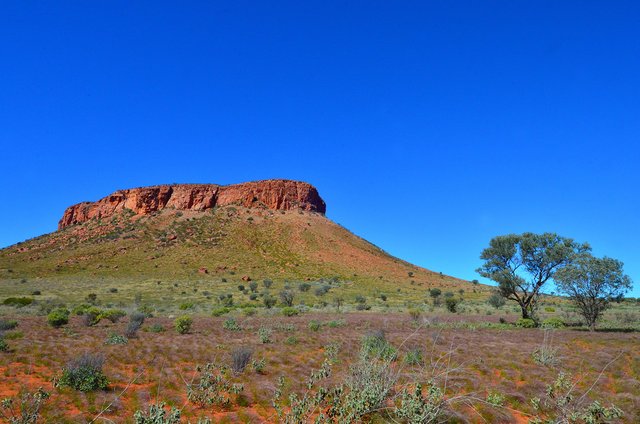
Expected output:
{"points": [[220, 311], [113, 315], [415, 313], [186, 305], [258, 366], [549, 309], [231, 324], [58, 317], [269, 301], [496, 301], [265, 335], [414, 357], [304, 287], [183, 324], [525, 323], [249, 312], [336, 323], [84, 374], [157, 415], [289, 311], [451, 304], [552, 323], [376, 345], [314, 325], [116, 339], [80, 309], [18, 302], [92, 316], [156, 328], [291, 340], [4, 346], [495, 399]]}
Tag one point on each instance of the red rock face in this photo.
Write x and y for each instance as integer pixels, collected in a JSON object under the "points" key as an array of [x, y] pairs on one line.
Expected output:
{"points": [[270, 194]]}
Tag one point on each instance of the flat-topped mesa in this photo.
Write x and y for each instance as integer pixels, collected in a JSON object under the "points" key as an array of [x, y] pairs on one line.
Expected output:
{"points": [[270, 194]]}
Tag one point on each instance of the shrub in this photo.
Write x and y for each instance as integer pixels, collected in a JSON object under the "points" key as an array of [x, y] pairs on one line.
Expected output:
{"points": [[136, 319], [18, 302], [552, 323], [28, 411], [220, 311], [240, 358], [4, 346], [84, 374], [289, 312], [186, 305], [6, 324], [212, 387], [156, 328], [157, 415], [58, 317], [495, 399], [375, 345], [336, 323], [258, 366], [36, 293], [253, 286], [360, 299], [113, 315], [231, 324], [549, 309], [91, 316], [286, 297], [525, 323], [304, 287], [267, 283], [265, 335], [322, 290], [269, 301], [249, 311], [435, 292], [414, 357], [116, 339], [314, 325], [496, 301], [451, 304], [291, 340], [415, 313], [183, 324]]}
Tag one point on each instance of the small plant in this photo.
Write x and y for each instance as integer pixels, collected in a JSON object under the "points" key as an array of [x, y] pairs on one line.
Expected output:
{"points": [[289, 311], [186, 306], [157, 328], [495, 398], [451, 304], [6, 324], [92, 316], [18, 302], [336, 323], [286, 297], [304, 287], [116, 339], [4, 346], [291, 340], [269, 301], [267, 283], [376, 345], [258, 366], [265, 335], [416, 408], [113, 315], [415, 313], [183, 324], [58, 317], [211, 387], [253, 286], [546, 354], [84, 374], [157, 415], [526, 323], [28, 411], [314, 325], [231, 324], [414, 357]]}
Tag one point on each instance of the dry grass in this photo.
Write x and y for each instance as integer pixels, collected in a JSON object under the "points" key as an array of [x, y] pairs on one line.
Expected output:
{"points": [[156, 366]]}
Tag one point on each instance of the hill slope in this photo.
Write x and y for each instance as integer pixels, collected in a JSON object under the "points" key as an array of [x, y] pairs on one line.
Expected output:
{"points": [[215, 245]]}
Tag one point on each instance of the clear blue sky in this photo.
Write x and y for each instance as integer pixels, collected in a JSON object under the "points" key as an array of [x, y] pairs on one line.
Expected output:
{"points": [[428, 127]]}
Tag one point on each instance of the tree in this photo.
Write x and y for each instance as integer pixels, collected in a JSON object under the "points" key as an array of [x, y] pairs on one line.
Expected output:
{"points": [[592, 284], [522, 264], [287, 298]]}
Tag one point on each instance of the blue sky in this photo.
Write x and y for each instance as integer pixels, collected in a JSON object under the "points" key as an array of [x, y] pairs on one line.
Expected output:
{"points": [[428, 127]]}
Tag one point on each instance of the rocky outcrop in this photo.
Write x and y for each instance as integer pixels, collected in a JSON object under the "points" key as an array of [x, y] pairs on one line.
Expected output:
{"points": [[269, 194]]}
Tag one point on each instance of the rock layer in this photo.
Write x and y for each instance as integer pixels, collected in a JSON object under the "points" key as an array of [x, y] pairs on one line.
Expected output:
{"points": [[270, 194]]}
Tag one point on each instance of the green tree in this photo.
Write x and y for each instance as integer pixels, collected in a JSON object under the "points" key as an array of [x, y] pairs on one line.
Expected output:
{"points": [[522, 264], [592, 284]]}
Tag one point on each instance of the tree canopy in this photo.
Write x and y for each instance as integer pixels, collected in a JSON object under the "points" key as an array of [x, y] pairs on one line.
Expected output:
{"points": [[522, 264], [592, 284]]}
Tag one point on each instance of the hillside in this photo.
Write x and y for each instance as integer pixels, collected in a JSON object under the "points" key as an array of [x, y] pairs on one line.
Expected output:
{"points": [[215, 237]]}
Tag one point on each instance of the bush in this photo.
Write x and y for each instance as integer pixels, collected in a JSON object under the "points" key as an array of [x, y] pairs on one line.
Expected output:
{"points": [[415, 313], [267, 283], [258, 366], [314, 325], [451, 304], [552, 323], [186, 305], [84, 374], [58, 317], [265, 335], [249, 311], [91, 316], [157, 415], [231, 324], [286, 297], [18, 302], [496, 301], [414, 357], [4, 346], [156, 328], [291, 340], [269, 301], [183, 324], [220, 311], [289, 312], [525, 323], [116, 339], [253, 286], [375, 345], [6, 324], [240, 358], [304, 287], [113, 315], [136, 320]]}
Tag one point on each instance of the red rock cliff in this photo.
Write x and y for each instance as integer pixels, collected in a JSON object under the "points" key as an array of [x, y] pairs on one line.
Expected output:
{"points": [[272, 194]]}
